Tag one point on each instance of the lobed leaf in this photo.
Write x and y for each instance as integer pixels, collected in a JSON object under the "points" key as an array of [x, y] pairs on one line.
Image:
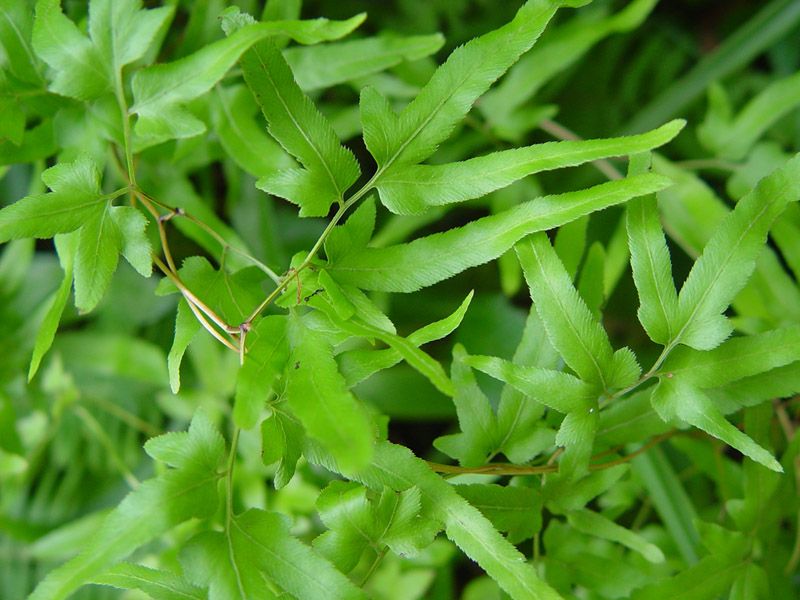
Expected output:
{"points": [[294, 121], [160, 90], [674, 398], [729, 258], [571, 327], [74, 199], [412, 136]]}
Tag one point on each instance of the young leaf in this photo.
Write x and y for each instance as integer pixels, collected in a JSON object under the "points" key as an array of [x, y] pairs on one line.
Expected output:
{"points": [[99, 245], [160, 90], [573, 331], [674, 398], [317, 394], [258, 546], [429, 119], [477, 440], [293, 120], [74, 199], [652, 269], [410, 352], [266, 358], [414, 188], [326, 65], [66, 244], [159, 504], [357, 365], [729, 258], [428, 260]]}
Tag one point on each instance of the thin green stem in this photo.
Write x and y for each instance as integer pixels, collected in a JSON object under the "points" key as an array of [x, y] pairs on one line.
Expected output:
{"points": [[229, 480], [373, 567], [119, 92]]}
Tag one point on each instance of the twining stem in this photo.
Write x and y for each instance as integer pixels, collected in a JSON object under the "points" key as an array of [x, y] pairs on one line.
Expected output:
{"points": [[501, 469]]}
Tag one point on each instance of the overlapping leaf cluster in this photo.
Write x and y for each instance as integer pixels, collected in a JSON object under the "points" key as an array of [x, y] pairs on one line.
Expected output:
{"points": [[175, 146]]}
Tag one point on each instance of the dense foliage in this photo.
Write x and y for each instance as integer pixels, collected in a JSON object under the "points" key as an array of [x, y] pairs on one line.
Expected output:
{"points": [[344, 307]]}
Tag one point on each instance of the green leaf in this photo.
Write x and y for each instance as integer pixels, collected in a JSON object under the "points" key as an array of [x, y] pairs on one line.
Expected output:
{"points": [[558, 50], [258, 547], [264, 362], [186, 327], [736, 358], [318, 395], [78, 66], [16, 26], [136, 246], [67, 247], [156, 583], [733, 138], [326, 65], [414, 188], [676, 399], [426, 365], [729, 258], [122, 32], [242, 137], [557, 390], [412, 136], [652, 269], [571, 327], [595, 524], [294, 121], [161, 90], [478, 438], [357, 522], [516, 510], [396, 467], [428, 260], [159, 504], [74, 199], [99, 245], [358, 365], [282, 440]]}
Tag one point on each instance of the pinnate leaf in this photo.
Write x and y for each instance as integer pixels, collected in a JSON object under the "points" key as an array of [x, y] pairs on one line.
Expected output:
{"points": [[294, 121], [676, 399], [259, 545], [74, 199], [414, 135], [188, 490], [428, 260], [729, 258], [413, 189]]}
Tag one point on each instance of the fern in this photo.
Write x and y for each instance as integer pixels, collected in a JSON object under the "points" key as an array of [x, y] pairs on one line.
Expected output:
{"points": [[331, 236]]}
